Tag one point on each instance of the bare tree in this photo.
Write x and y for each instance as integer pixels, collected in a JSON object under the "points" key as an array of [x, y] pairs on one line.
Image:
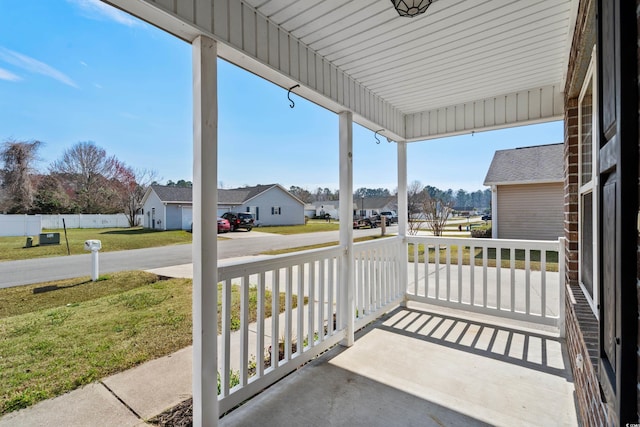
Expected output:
{"points": [[436, 212], [93, 175], [415, 196], [135, 183], [18, 158]]}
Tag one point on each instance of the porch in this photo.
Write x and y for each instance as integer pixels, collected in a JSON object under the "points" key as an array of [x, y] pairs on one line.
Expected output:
{"points": [[462, 68], [419, 366], [473, 337]]}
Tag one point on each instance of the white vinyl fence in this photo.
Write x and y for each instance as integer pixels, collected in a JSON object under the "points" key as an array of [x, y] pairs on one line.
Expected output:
{"points": [[20, 225], [53, 222], [31, 225]]}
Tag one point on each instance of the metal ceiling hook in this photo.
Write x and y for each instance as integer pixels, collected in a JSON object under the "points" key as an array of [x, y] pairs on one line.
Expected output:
{"points": [[376, 135], [293, 104]]}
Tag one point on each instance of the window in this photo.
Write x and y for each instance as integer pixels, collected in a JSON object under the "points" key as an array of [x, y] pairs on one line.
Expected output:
{"points": [[276, 210], [588, 178]]}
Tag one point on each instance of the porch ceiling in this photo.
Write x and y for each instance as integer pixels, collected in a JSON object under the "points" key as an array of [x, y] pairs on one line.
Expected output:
{"points": [[462, 66]]}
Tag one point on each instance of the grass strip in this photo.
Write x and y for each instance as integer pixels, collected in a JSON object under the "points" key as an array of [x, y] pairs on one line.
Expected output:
{"points": [[83, 331], [535, 264], [317, 246]]}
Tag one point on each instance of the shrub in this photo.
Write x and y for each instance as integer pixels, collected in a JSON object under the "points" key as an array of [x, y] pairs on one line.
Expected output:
{"points": [[482, 234]]}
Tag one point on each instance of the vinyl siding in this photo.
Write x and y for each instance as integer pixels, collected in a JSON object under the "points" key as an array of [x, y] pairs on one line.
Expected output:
{"points": [[153, 201], [291, 210], [530, 211]]}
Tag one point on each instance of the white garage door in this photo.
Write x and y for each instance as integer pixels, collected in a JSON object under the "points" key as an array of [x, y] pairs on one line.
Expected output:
{"points": [[187, 217]]}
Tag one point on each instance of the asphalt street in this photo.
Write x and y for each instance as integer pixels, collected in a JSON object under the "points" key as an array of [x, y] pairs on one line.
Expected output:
{"points": [[23, 272]]}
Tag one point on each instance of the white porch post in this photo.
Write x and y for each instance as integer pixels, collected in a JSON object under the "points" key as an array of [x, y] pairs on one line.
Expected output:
{"points": [[346, 307], [205, 245], [403, 216], [494, 212]]}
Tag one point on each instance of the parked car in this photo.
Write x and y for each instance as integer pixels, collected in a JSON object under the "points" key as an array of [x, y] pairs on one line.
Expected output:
{"points": [[223, 225], [486, 217], [391, 216], [239, 220], [363, 223], [377, 220]]}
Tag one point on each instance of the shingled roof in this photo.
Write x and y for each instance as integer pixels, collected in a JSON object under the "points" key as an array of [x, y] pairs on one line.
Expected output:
{"points": [[238, 196], [527, 165], [173, 194], [235, 196]]}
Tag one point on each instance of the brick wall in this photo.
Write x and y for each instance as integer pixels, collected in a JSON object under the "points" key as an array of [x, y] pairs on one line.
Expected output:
{"points": [[582, 325], [582, 341], [571, 190]]}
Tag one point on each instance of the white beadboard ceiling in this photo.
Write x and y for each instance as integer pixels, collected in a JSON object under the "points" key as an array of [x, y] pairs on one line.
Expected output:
{"points": [[464, 65], [459, 51]]}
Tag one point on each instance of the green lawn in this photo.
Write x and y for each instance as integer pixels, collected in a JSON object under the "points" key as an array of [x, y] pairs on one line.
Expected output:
{"points": [[118, 239], [58, 336], [113, 239], [551, 257], [312, 226], [319, 245]]}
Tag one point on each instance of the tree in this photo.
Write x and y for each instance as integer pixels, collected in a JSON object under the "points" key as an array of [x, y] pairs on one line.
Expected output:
{"points": [[18, 158], [436, 212], [134, 185], [301, 193], [94, 177], [181, 183], [415, 195], [50, 196], [371, 192], [462, 199], [325, 194]]}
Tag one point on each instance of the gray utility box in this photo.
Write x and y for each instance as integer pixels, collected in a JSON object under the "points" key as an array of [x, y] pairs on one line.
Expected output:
{"points": [[49, 239]]}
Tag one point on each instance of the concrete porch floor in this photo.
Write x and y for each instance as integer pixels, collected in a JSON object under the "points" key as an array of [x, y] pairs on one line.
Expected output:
{"points": [[419, 366]]}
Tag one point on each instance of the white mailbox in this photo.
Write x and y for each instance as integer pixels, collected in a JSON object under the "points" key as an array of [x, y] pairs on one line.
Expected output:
{"points": [[92, 245]]}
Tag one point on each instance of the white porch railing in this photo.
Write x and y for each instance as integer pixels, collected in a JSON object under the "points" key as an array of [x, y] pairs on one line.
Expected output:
{"points": [[302, 333], [508, 278], [377, 278]]}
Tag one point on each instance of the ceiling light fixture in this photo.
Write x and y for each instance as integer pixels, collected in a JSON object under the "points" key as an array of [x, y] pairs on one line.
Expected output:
{"points": [[411, 8]]}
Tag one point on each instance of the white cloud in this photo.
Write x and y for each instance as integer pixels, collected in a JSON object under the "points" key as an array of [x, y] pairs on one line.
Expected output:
{"points": [[98, 85], [8, 75], [96, 9], [84, 64], [33, 65]]}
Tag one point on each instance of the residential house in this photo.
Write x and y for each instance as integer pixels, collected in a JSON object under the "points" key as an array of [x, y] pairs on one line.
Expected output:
{"points": [[368, 206], [270, 204], [171, 208], [601, 210], [321, 208], [527, 193], [167, 208], [459, 68]]}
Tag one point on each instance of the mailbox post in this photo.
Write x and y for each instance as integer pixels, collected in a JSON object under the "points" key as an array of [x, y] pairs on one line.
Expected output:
{"points": [[94, 246]]}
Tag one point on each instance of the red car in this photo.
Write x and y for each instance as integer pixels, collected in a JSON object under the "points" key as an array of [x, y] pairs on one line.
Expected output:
{"points": [[223, 225]]}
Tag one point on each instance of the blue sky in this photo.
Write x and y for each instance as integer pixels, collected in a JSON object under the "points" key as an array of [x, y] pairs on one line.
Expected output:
{"points": [[79, 70]]}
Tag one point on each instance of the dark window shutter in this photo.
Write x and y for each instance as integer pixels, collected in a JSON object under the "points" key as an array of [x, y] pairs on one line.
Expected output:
{"points": [[618, 140]]}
